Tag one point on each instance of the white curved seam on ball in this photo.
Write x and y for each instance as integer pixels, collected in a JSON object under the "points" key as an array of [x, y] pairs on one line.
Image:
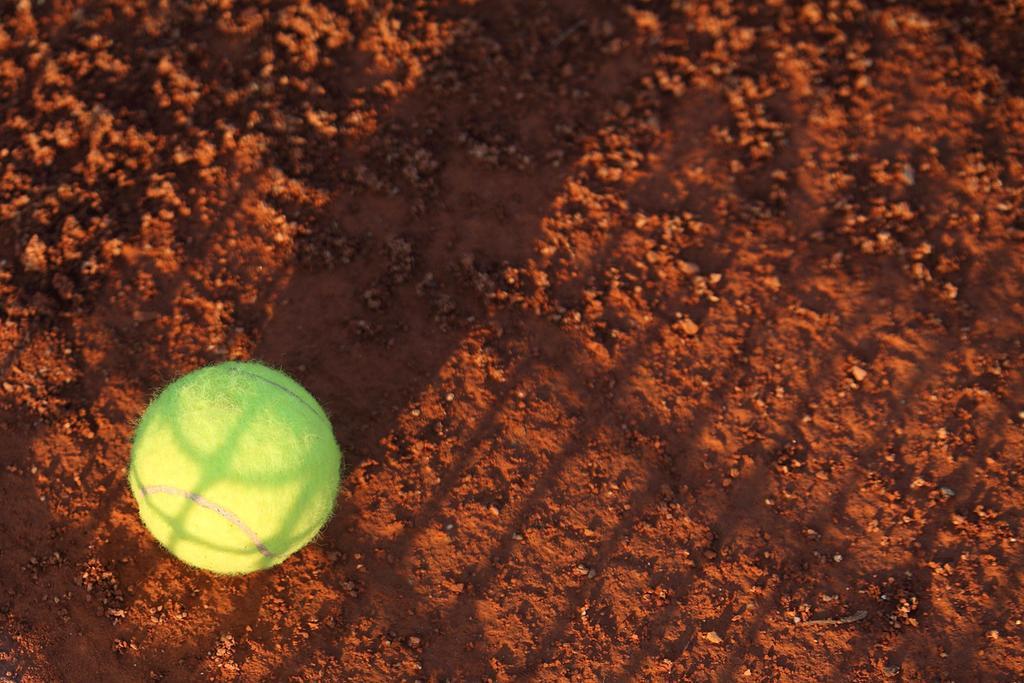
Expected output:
{"points": [[282, 388], [231, 517]]}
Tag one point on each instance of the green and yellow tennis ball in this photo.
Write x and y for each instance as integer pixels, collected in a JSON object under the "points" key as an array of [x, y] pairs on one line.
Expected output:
{"points": [[234, 467]]}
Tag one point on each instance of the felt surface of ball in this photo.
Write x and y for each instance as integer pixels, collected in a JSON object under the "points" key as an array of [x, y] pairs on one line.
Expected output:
{"points": [[234, 467]]}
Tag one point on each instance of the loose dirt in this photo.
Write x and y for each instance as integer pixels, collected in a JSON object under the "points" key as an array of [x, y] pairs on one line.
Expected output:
{"points": [[665, 341]]}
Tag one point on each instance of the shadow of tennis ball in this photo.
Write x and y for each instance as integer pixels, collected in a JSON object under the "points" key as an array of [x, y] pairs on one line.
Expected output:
{"points": [[234, 467]]}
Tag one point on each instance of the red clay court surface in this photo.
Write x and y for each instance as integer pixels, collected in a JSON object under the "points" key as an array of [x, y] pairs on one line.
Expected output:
{"points": [[667, 341]]}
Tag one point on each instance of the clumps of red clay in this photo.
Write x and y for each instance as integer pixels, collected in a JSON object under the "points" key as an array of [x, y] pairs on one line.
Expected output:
{"points": [[665, 341]]}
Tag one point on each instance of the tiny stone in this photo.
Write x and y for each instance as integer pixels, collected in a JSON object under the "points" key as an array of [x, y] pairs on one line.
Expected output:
{"points": [[811, 13], [689, 268], [33, 258], [858, 373]]}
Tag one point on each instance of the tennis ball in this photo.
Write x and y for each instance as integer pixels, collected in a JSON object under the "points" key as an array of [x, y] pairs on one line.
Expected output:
{"points": [[234, 467]]}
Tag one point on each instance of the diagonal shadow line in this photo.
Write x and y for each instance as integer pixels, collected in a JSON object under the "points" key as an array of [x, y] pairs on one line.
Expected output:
{"points": [[721, 534], [603, 556], [704, 413], [488, 569], [667, 615], [401, 547], [659, 623], [484, 428], [897, 409], [634, 355], [1008, 593], [723, 527], [925, 373], [966, 657], [969, 18], [388, 574]]}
